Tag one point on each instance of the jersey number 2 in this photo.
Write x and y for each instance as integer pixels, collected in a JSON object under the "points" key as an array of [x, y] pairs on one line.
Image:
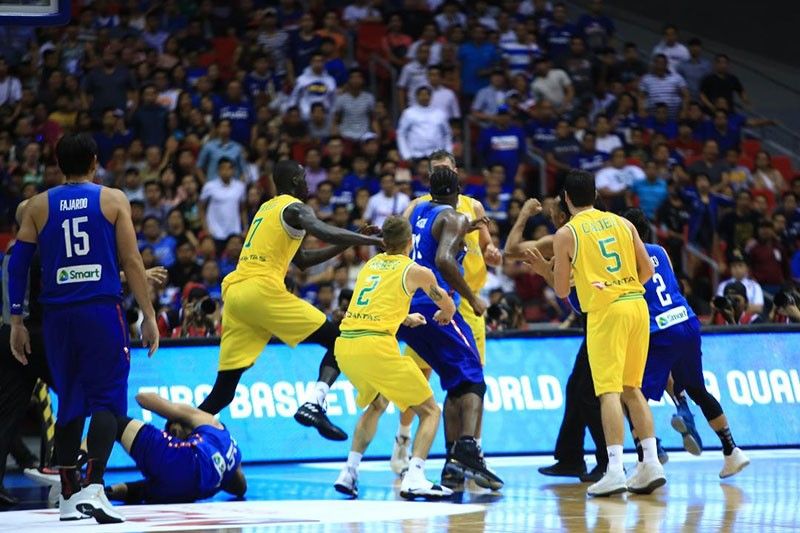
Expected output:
{"points": [[612, 256], [75, 239], [661, 290], [363, 298]]}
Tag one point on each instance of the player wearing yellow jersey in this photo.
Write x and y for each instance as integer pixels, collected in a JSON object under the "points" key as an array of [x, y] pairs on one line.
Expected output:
{"points": [[258, 306], [368, 353], [610, 264], [480, 253]]}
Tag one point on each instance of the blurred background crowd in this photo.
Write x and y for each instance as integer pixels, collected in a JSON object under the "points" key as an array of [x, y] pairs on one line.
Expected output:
{"points": [[192, 103]]}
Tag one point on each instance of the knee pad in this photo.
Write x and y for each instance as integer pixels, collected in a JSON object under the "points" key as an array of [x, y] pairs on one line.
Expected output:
{"points": [[708, 404], [466, 387]]}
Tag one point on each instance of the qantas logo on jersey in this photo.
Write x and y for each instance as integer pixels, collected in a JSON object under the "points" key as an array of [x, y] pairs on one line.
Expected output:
{"points": [[620, 281], [672, 317], [73, 204], [79, 274]]}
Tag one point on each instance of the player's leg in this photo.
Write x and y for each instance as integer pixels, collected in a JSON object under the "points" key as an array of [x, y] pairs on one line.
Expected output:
{"points": [[364, 432], [415, 483], [649, 473], [477, 326], [569, 443], [589, 406], [402, 440]]}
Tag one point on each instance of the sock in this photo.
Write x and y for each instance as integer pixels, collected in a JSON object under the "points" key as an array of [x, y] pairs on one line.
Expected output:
{"points": [[614, 458], [448, 450], [70, 481], [416, 468], [320, 392], [354, 459], [639, 452], [649, 450], [404, 431], [726, 439], [95, 470], [478, 441]]}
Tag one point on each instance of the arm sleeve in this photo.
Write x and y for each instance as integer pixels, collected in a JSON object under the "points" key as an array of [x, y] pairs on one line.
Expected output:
{"points": [[18, 266]]}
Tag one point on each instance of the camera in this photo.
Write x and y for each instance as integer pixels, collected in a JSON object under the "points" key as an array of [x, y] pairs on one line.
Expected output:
{"points": [[206, 306], [784, 298], [723, 302]]}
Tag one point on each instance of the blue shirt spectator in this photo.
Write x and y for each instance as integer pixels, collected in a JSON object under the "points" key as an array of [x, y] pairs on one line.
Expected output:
{"points": [[216, 149], [503, 144], [162, 244], [476, 56], [596, 28], [651, 191], [558, 34], [149, 121], [541, 132]]}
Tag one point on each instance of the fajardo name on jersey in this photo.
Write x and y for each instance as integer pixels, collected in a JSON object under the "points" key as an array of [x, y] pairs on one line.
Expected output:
{"points": [[79, 274], [672, 317], [73, 204]]}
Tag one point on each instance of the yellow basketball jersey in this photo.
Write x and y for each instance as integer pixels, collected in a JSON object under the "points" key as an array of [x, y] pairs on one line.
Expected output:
{"points": [[380, 299], [475, 273], [270, 244], [604, 261]]}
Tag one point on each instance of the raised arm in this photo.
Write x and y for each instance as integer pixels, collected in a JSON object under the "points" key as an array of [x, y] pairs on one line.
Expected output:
{"points": [[491, 255], [177, 412], [563, 246], [644, 266], [515, 246], [419, 277], [301, 216], [452, 227]]}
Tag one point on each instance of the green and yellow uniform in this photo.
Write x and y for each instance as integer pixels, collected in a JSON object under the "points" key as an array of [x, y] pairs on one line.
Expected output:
{"points": [[257, 304], [367, 350], [607, 282], [475, 275]]}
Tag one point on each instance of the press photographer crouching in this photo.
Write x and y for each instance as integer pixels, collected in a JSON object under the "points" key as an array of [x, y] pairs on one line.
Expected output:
{"points": [[731, 307], [199, 315], [785, 308]]}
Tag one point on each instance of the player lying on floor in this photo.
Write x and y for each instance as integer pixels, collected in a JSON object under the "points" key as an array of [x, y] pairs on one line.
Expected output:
{"points": [[194, 459]]}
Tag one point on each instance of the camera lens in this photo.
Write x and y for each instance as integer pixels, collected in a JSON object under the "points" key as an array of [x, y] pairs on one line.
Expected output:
{"points": [[208, 306]]}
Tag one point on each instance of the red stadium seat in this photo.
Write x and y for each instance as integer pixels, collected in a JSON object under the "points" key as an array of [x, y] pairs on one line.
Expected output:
{"points": [[750, 147], [783, 164]]}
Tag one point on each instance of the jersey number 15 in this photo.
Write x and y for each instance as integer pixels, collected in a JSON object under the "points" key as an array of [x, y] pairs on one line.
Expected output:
{"points": [[75, 239]]}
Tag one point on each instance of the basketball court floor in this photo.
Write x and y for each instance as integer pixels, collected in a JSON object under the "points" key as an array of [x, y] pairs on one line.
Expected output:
{"points": [[301, 498]]}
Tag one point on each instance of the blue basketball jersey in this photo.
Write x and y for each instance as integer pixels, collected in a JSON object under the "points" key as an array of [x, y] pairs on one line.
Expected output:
{"points": [[573, 301], [665, 301], [222, 457], [78, 248], [425, 246]]}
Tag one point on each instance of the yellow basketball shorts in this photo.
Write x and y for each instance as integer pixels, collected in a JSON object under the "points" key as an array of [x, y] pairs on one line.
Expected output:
{"points": [[256, 309], [476, 323], [373, 364], [617, 338]]}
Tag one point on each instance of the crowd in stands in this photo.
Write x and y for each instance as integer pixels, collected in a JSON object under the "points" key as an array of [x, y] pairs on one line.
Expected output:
{"points": [[192, 103]]}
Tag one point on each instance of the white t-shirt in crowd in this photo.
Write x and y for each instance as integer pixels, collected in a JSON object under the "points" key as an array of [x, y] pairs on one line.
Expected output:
{"points": [[222, 212], [380, 207], [616, 180], [755, 295], [551, 87]]}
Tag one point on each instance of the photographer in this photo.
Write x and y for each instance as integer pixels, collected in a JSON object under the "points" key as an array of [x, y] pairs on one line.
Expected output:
{"points": [[507, 314], [199, 314], [785, 307], [740, 272], [732, 307]]}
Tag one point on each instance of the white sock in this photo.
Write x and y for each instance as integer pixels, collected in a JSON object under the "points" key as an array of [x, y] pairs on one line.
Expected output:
{"points": [[650, 450], [478, 442], [416, 468], [404, 431], [615, 458], [354, 459], [321, 390]]}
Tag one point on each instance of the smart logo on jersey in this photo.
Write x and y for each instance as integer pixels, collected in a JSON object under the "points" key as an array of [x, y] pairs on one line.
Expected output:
{"points": [[79, 274], [672, 317]]}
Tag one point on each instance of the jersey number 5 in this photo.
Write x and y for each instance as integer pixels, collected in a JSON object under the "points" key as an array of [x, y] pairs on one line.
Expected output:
{"points": [[73, 232], [363, 298], [611, 256]]}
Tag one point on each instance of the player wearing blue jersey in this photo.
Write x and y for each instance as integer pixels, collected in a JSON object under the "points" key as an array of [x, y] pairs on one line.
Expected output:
{"points": [[86, 233], [193, 459], [438, 244], [675, 347]]}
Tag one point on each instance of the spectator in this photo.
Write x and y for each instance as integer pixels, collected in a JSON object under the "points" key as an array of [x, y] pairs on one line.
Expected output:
{"points": [[10, 86], [738, 228], [769, 258], [559, 32], [711, 165], [631, 68], [323, 200], [651, 192], [740, 273], [478, 57], [238, 111], [153, 36], [595, 27], [578, 66], [133, 187], [496, 203], [334, 65], [503, 143], [737, 175], [154, 201], [520, 53], [450, 16], [563, 148], [109, 85], [694, 69], [395, 43], [304, 43], [720, 130], [259, 83], [274, 41], [489, 99], [672, 218], [149, 121], [722, 84], [663, 86], [331, 29], [430, 38], [199, 316], [685, 143], [589, 158], [360, 11], [613, 181], [660, 122], [163, 245], [703, 206], [765, 176], [320, 126], [360, 178], [314, 85], [186, 268], [413, 76], [230, 255], [734, 307], [354, 109], [607, 140], [542, 129], [219, 200], [552, 85], [218, 148], [112, 136], [675, 52], [388, 202], [315, 173], [422, 130], [442, 98], [209, 276]]}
